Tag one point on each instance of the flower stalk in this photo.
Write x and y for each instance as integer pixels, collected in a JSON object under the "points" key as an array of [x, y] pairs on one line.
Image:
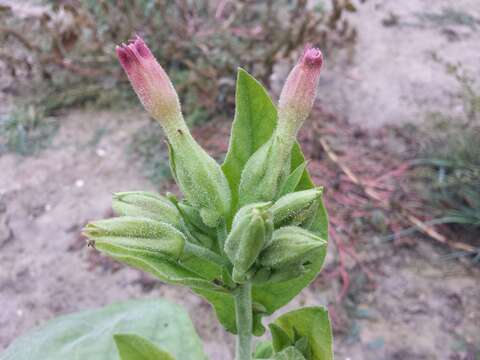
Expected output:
{"points": [[243, 315]]}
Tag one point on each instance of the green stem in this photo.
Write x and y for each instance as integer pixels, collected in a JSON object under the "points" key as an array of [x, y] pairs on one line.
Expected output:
{"points": [[243, 315]]}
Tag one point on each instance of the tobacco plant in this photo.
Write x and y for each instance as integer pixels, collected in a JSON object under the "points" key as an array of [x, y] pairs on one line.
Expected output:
{"points": [[247, 235]]}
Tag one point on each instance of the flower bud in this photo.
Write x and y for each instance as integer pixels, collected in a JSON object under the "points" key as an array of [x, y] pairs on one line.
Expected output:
{"points": [[138, 235], [290, 246], [265, 171], [251, 230], [198, 175], [148, 205], [296, 208], [150, 82], [299, 92]]}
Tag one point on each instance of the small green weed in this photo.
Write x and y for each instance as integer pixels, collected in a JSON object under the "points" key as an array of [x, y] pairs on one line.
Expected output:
{"points": [[26, 130], [451, 158]]}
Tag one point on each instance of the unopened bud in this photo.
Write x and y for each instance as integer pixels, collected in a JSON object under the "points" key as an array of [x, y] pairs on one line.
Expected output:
{"points": [[148, 205], [299, 92], [296, 208], [137, 235], [265, 171], [290, 246], [150, 82], [198, 175], [251, 230]]}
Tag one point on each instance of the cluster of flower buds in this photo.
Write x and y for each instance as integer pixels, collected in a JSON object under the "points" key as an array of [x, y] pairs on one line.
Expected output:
{"points": [[268, 239], [197, 174]]}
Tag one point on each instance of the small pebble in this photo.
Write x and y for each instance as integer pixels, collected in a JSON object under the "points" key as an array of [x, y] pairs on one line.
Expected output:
{"points": [[101, 152]]}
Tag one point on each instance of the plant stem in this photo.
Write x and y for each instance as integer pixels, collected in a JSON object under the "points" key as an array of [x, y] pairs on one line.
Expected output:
{"points": [[243, 315]]}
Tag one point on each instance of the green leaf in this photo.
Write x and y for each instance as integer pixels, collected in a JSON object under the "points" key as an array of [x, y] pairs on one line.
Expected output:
{"points": [[298, 158], [293, 180], [313, 324], [224, 307], [263, 350], [134, 347], [254, 122], [289, 353], [303, 346], [164, 269], [280, 339], [89, 334]]}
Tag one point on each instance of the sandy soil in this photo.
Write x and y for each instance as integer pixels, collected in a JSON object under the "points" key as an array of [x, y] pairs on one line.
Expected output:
{"points": [[393, 77], [420, 306]]}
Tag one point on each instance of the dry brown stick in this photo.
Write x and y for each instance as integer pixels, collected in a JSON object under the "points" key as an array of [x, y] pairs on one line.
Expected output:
{"points": [[428, 230]]}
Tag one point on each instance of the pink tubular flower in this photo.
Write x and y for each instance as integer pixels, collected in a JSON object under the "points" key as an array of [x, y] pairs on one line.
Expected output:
{"points": [[300, 89], [150, 81]]}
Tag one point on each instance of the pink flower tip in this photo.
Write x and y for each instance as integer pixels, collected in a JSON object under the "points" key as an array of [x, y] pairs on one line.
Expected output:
{"points": [[148, 79], [135, 50], [312, 57], [300, 89]]}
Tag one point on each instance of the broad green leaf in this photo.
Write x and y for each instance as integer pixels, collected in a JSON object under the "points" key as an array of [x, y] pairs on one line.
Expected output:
{"points": [[255, 119], [89, 334], [134, 347], [313, 324]]}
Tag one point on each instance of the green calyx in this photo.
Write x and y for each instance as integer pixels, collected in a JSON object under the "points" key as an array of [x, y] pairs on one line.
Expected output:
{"points": [[265, 171], [148, 205], [297, 208], [291, 246], [200, 178], [140, 235]]}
